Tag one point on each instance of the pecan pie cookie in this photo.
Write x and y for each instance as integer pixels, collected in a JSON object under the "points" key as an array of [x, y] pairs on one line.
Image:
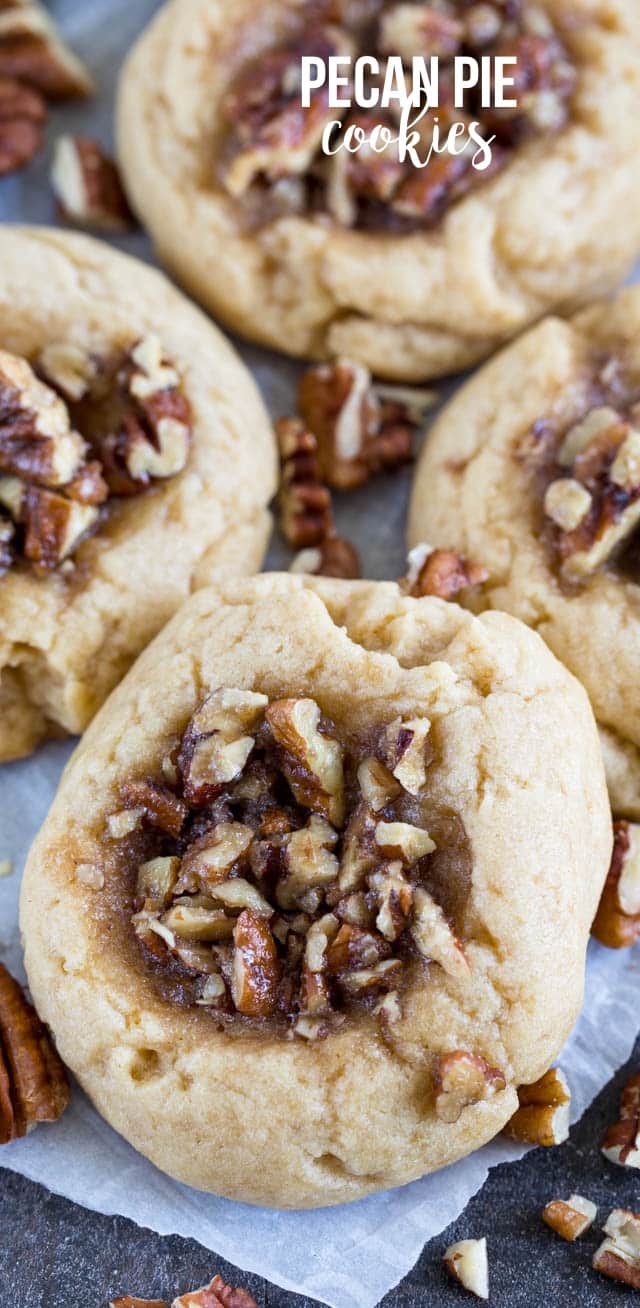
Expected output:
{"points": [[136, 461], [533, 470], [314, 896], [413, 272]]}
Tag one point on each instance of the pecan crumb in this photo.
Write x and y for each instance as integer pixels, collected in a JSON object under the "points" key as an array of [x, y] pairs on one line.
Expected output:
{"points": [[618, 1257], [467, 1262]]}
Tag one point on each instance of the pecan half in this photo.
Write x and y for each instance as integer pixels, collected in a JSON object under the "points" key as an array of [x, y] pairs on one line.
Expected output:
{"points": [[87, 185], [543, 1115], [621, 1143], [462, 1079], [617, 922], [33, 1082]]}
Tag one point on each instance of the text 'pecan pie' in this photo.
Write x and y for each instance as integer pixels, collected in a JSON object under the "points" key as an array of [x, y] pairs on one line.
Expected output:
{"points": [[136, 461], [534, 471], [314, 896], [412, 271]]}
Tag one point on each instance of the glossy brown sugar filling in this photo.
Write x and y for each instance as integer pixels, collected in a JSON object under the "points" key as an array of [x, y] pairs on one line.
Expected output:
{"points": [[288, 875], [78, 432]]}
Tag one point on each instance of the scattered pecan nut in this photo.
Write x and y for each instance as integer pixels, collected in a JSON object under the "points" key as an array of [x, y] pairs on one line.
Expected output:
{"points": [[543, 1115], [333, 557], [617, 922], [442, 573], [618, 1257], [358, 432], [33, 1082], [462, 1079], [87, 186], [621, 1143], [306, 514], [22, 118], [467, 1262], [570, 1218], [216, 1295], [32, 51]]}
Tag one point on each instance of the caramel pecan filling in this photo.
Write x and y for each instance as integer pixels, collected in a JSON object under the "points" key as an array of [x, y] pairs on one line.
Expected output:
{"points": [[77, 431], [285, 870], [272, 158], [589, 480]]}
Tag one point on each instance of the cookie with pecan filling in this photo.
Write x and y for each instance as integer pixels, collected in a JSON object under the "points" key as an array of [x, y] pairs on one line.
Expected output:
{"points": [[534, 471], [136, 462], [413, 272], [314, 896]]}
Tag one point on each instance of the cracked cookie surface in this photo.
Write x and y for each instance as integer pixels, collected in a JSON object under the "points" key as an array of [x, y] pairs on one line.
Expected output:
{"points": [[190, 1034], [532, 471], [136, 463], [557, 225]]}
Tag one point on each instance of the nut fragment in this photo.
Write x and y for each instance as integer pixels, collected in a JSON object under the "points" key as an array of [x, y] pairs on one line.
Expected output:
{"points": [[36, 439], [312, 761], [32, 51], [216, 1295], [161, 807], [621, 1143], [90, 875], [309, 863], [33, 1081], [306, 515], [402, 840], [333, 557], [131, 1301], [444, 574], [156, 880], [87, 185], [618, 1257], [567, 503], [357, 432], [543, 1115], [571, 1217], [462, 1079], [617, 922], [403, 747], [467, 1262], [434, 937], [216, 746], [395, 899], [256, 967], [377, 783], [22, 117]]}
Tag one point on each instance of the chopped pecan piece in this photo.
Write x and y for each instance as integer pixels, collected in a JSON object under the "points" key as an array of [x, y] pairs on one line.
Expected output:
{"points": [[306, 515], [33, 1081], [311, 759], [22, 117], [617, 922], [36, 439], [131, 1301], [618, 1257], [395, 899], [571, 1217], [87, 185], [444, 573], [383, 974], [67, 367], [54, 526], [216, 744], [308, 862], [213, 991], [256, 966], [377, 783], [334, 557], [403, 748], [190, 920], [543, 1115], [216, 1295], [32, 51], [156, 880], [354, 950], [434, 937], [358, 434], [567, 502], [211, 859], [360, 852], [161, 807], [462, 1079], [467, 1262], [401, 840], [621, 1143]]}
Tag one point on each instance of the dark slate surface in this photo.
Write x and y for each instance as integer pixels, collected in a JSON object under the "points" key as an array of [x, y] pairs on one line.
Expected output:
{"points": [[56, 1255]]}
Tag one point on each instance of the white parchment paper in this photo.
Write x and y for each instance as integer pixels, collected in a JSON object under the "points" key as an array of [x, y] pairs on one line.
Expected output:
{"points": [[347, 1257]]}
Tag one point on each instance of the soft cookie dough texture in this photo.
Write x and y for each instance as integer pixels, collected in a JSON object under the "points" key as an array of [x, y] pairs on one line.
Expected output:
{"points": [[65, 643], [291, 1123], [473, 494], [559, 226]]}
